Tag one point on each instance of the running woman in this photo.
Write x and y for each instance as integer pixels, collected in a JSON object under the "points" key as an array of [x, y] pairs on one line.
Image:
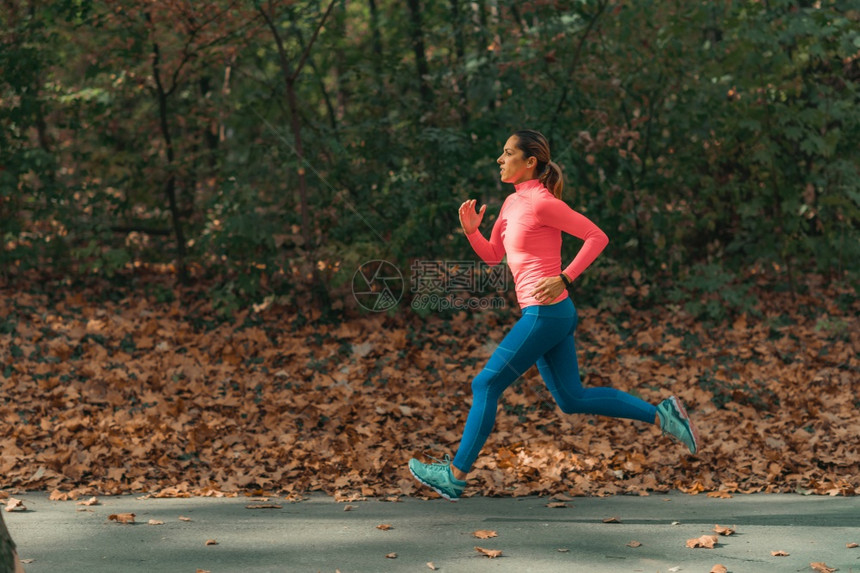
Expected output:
{"points": [[528, 231]]}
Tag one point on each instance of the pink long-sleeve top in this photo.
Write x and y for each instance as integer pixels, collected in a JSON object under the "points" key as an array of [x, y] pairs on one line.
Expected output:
{"points": [[528, 231]]}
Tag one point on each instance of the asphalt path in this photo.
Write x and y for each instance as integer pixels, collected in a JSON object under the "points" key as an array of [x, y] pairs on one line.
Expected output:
{"points": [[643, 534]]}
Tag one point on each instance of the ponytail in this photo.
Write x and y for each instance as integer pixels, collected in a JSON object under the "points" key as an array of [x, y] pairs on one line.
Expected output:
{"points": [[552, 179]]}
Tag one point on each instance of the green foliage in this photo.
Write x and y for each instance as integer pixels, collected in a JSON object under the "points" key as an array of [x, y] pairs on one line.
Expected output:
{"points": [[704, 138]]}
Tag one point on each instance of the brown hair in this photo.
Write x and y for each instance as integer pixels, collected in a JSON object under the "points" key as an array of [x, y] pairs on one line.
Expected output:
{"points": [[533, 144]]}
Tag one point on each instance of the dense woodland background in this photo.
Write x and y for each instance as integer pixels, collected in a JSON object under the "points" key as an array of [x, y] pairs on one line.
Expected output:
{"points": [[188, 188]]}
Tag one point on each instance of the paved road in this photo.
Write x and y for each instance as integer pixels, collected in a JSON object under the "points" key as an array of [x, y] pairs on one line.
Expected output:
{"points": [[318, 535]]}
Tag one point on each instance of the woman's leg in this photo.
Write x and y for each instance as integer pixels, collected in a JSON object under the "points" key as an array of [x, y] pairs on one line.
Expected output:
{"points": [[560, 370], [529, 338]]}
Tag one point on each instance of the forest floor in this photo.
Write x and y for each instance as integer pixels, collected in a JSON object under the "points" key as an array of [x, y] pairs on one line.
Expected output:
{"points": [[110, 392]]}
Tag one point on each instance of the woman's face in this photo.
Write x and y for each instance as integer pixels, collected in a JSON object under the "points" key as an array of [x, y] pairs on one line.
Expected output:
{"points": [[514, 166]]}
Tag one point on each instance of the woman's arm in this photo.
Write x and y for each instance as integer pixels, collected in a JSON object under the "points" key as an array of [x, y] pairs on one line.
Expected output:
{"points": [[556, 213], [491, 251]]}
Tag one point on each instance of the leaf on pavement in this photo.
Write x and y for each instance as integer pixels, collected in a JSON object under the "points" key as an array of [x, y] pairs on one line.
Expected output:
{"points": [[391, 556], [719, 529], [612, 520], [15, 504], [155, 522], [780, 553], [851, 545], [634, 544], [484, 534], [821, 567], [183, 518], [719, 569], [263, 506], [384, 526], [431, 566], [126, 518], [705, 541], [491, 553], [91, 501], [211, 542], [720, 494], [556, 504]]}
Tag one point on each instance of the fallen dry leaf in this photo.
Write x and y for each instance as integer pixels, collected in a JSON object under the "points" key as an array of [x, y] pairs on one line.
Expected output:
{"points": [[491, 553], [91, 501], [58, 495], [183, 518], [718, 569], [484, 534], [431, 566], [15, 505], [263, 506], [634, 544], [851, 545], [821, 567], [705, 541], [556, 504], [612, 520], [348, 507], [384, 526], [211, 542], [155, 522], [720, 530], [561, 550], [203, 571], [391, 556], [720, 494], [127, 518], [780, 553]]}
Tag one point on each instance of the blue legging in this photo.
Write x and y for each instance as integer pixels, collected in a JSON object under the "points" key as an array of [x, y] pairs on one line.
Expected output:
{"points": [[544, 335]]}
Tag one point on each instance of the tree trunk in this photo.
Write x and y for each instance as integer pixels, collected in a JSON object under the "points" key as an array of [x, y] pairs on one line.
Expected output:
{"points": [[9, 562], [421, 65], [170, 184]]}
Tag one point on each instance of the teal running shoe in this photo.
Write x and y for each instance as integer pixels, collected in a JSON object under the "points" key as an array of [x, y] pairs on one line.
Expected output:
{"points": [[675, 422], [439, 477]]}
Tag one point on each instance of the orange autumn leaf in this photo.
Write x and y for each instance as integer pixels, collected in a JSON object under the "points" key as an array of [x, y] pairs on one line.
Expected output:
{"points": [[821, 567], [705, 541], [612, 520], [634, 544], [431, 566], [391, 556], [91, 501], [780, 553], [718, 569], [484, 534], [720, 530], [491, 553], [263, 506], [383, 526], [211, 542], [125, 518], [155, 522], [15, 505], [720, 494], [184, 518], [556, 504], [851, 545]]}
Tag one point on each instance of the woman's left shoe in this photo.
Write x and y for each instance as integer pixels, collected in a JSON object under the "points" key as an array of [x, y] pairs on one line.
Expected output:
{"points": [[675, 421], [439, 477]]}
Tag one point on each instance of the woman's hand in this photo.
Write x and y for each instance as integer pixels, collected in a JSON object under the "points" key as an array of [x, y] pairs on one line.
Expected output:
{"points": [[471, 219], [548, 289]]}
